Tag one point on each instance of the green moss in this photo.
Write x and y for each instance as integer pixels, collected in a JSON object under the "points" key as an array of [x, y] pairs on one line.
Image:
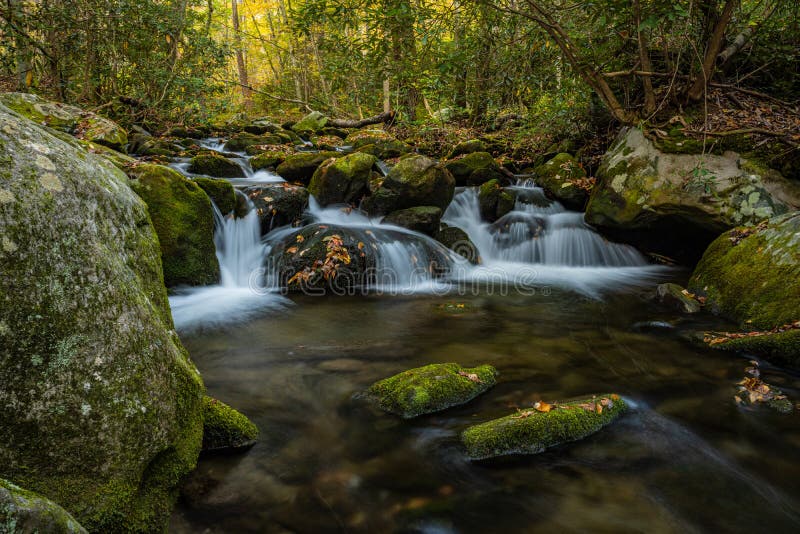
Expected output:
{"points": [[475, 168], [25, 511], [310, 123], [268, 160], [301, 167], [467, 147], [242, 141], [431, 388], [533, 432], [183, 218], [414, 181], [342, 180], [781, 348], [215, 164], [226, 429], [221, 192]]}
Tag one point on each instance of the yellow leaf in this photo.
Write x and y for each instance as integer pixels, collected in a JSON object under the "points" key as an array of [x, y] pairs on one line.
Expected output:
{"points": [[300, 238], [291, 250]]}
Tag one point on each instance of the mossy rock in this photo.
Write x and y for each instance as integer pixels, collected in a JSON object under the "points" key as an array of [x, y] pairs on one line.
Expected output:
{"points": [[309, 124], [494, 201], [558, 176], [107, 413], [781, 348], [459, 242], [475, 168], [533, 431], [215, 164], [243, 140], [262, 126], [184, 221], [326, 142], [278, 205], [414, 181], [268, 160], [432, 388], [422, 219], [120, 160], [467, 147], [342, 180], [371, 136], [388, 149], [184, 132], [24, 511], [220, 192], [225, 429], [673, 295], [301, 167]]}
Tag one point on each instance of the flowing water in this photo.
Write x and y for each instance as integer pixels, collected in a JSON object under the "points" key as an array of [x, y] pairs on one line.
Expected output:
{"points": [[573, 319]]}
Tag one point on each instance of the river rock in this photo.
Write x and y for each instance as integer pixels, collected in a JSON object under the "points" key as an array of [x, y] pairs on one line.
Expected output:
{"points": [[459, 242], [278, 204], [221, 192], [676, 204], [225, 429], [343, 180], [432, 388], [674, 296], [559, 177], [184, 220], [467, 147], [326, 142], [262, 126], [533, 431], [309, 124], [185, 132], [24, 511], [241, 141], [300, 167], [378, 143], [82, 124], [494, 201], [103, 409], [215, 164], [475, 168], [268, 160], [422, 219], [414, 181]]}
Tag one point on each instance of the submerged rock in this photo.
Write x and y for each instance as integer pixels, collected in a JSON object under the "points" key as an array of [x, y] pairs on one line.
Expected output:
{"points": [[221, 192], [677, 297], [535, 430], [432, 388], [278, 205], [475, 168], [414, 181], [215, 164], [24, 511], [301, 167], [494, 201], [103, 409], [225, 429], [560, 177], [422, 219], [184, 220], [343, 180], [676, 204]]}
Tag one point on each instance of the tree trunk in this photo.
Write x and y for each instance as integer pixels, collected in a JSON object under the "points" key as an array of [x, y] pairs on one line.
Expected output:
{"points": [[241, 67], [644, 58], [743, 38], [377, 119], [698, 89]]}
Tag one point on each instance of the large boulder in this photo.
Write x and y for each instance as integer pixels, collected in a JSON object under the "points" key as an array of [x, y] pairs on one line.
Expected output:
{"points": [[378, 143], [494, 201], [278, 205], [268, 159], [301, 167], [343, 180], [414, 181], [422, 219], [677, 204], [459, 242], [70, 119], [24, 511], [564, 178], [751, 275], [102, 408], [221, 192], [184, 221], [309, 124], [215, 164], [467, 147], [475, 168], [242, 141]]}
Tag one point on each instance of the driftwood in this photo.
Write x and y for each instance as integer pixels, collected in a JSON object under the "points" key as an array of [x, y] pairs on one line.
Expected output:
{"points": [[385, 117]]}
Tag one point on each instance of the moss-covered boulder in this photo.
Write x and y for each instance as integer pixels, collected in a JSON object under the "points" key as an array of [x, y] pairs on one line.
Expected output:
{"points": [[147, 145], [676, 204], [459, 242], [676, 297], [103, 408], [24, 511], [564, 178], [343, 180], [278, 205], [70, 119], [309, 124], [414, 181], [184, 221], [422, 219], [432, 388], [184, 132], [215, 164], [475, 168], [378, 143], [326, 142], [494, 201], [301, 167], [467, 147], [220, 192], [243, 140], [262, 126], [541, 427], [268, 160], [225, 429]]}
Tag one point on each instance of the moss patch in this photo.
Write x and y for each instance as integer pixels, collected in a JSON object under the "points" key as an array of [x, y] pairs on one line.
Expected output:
{"points": [[225, 429], [25, 511], [343, 180], [215, 164], [432, 388], [474, 168], [221, 192], [301, 167]]}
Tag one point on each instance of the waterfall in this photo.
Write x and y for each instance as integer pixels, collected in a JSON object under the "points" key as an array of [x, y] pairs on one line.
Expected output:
{"points": [[240, 251]]}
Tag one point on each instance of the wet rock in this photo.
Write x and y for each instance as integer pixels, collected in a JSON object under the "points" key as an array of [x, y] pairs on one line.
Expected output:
{"points": [[459, 242], [221, 192], [533, 431], [184, 221], [495, 201], [268, 160], [475, 168], [301, 167], [676, 204], [184, 132], [215, 164], [242, 141], [560, 177], [107, 406], [326, 142], [432, 388], [343, 180], [225, 429], [278, 205], [467, 147], [378, 143], [262, 126], [423, 219], [24, 511], [414, 181], [675, 296]]}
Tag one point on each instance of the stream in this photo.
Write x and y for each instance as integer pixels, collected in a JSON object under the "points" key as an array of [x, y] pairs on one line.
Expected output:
{"points": [[558, 310]]}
